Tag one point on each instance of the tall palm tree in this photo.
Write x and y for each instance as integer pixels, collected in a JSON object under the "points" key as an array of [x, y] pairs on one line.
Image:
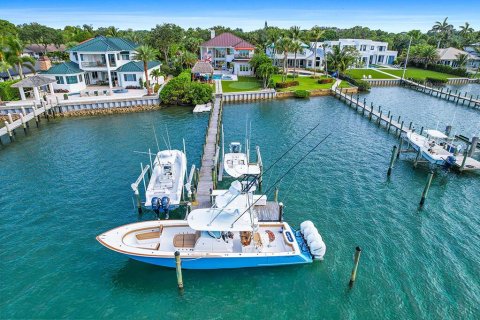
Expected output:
{"points": [[295, 32], [296, 48], [443, 30], [156, 74], [428, 54], [273, 36], [342, 59], [462, 60], [284, 45], [316, 33], [324, 47], [13, 55], [146, 53], [465, 29], [5, 67]]}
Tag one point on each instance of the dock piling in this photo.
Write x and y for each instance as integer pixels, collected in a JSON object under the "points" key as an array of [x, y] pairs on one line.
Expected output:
{"points": [[178, 267], [280, 212], [392, 160], [353, 277], [427, 187], [473, 146]]}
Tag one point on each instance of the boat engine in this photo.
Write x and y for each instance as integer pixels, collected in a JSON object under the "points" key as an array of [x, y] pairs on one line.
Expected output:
{"points": [[314, 240], [156, 205], [451, 160], [165, 206]]}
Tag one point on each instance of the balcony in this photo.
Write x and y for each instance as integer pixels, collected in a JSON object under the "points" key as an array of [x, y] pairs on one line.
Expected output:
{"points": [[97, 64], [242, 57]]}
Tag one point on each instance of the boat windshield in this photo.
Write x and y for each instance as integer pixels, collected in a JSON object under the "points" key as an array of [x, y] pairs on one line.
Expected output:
{"points": [[235, 147]]}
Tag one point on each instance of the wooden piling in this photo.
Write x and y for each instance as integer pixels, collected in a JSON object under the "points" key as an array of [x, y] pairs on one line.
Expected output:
{"points": [[275, 195], [419, 152], [138, 201], [353, 277], [178, 267], [392, 160], [464, 160], [427, 187], [400, 148], [280, 212]]}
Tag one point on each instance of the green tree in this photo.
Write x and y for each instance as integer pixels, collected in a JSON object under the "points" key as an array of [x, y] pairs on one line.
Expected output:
{"points": [[165, 36], [465, 32], [13, 56], [341, 59], [265, 71], [35, 33], [258, 59], [156, 74], [7, 29], [428, 54], [462, 60], [146, 53], [296, 48], [316, 33], [443, 30], [284, 45]]}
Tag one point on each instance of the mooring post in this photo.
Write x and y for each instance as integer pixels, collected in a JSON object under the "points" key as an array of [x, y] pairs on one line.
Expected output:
{"points": [[10, 134], [211, 196], [138, 201], [10, 120], [275, 195], [370, 115], [390, 123], [473, 146], [465, 156], [178, 267], [400, 148], [23, 123], [419, 152], [401, 129], [280, 212], [410, 125], [421, 131], [427, 187], [392, 160], [356, 260], [365, 101]]}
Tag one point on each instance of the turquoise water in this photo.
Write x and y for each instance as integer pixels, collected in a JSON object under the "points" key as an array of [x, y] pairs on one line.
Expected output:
{"points": [[69, 181]]}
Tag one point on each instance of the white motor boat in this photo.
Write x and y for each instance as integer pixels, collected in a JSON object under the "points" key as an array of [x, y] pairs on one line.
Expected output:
{"points": [[236, 163], [164, 190], [434, 147], [228, 235]]}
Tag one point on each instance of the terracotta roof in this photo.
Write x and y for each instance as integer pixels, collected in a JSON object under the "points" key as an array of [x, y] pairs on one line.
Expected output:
{"points": [[228, 40]]}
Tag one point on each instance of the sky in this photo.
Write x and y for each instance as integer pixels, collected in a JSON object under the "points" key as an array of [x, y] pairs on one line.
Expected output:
{"points": [[393, 16]]}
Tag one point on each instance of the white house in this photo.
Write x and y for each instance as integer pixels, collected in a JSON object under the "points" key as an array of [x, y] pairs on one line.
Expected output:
{"points": [[449, 57], [228, 52], [99, 61], [302, 56], [130, 74]]}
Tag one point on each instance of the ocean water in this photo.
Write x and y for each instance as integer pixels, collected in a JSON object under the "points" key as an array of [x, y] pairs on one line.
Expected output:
{"points": [[70, 180]]}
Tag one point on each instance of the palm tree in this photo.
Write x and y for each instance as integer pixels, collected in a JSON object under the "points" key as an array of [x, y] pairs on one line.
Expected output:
{"points": [[112, 31], [284, 45], [443, 30], [156, 74], [265, 70], [295, 32], [13, 55], [462, 60], [465, 32], [5, 67], [296, 48], [324, 47], [428, 54], [146, 53], [273, 37], [316, 33], [342, 59]]}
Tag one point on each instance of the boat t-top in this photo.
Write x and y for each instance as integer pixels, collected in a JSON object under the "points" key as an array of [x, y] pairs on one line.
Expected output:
{"points": [[164, 190], [227, 235], [435, 147], [236, 163]]}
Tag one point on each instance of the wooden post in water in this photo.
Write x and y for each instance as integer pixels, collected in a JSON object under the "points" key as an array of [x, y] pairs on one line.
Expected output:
{"points": [[427, 187], [356, 260], [275, 195], [10, 134], [23, 123], [371, 110], [419, 152], [401, 129], [464, 160], [380, 118], [24, 114], [473, 146], [10, 120], [138, 201], [178, 267], [390, 123], [392, 160], [410, 125], [400, 148], [280, 212], [421, 130]]}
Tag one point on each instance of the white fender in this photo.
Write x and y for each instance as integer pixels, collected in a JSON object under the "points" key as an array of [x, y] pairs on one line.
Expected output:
{"points": [[306, 224]]}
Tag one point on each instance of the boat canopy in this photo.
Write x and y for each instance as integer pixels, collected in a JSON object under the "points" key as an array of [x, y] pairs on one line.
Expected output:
{"points": [[201, 220], [436, 134]]}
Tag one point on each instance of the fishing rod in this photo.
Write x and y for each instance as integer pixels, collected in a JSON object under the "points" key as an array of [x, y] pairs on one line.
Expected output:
{"points": [[279, 179], [250, 184]]}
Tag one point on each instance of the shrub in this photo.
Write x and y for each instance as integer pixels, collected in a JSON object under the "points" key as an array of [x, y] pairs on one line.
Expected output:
{"points": [[65, 96], [60, 91], [271, 84], [156, 87], [436, 81], [303, 94], [133, 87], [180, 90], [7, 93], [460, 72], [287, 84], [325, 80], [362, 85], [418, 80]]}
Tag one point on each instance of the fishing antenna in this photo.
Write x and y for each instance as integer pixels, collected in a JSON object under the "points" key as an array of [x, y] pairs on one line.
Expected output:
{"points": [[250, 184], [155, 135], [279, 179], [168, 138]]}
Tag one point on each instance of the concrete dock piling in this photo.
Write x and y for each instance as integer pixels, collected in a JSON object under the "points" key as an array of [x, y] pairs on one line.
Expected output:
{"points": [[427, 187], [356, 260], [392, 160], [178, 267]]}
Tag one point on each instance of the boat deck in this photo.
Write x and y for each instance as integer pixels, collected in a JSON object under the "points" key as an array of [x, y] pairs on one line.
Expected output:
{"points": [[269, 212]]}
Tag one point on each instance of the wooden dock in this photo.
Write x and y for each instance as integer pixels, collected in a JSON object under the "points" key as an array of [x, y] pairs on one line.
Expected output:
{"points": [[446, 94], [207, 174]]}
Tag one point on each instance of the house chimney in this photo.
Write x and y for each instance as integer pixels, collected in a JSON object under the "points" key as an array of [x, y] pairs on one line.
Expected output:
{"points": [[212, 33], [45, 63]]}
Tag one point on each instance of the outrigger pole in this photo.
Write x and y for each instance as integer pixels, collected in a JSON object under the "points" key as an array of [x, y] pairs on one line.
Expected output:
{"points": [[280, 179]]}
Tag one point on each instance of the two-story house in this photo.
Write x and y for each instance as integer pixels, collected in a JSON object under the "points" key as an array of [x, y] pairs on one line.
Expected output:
{"points": [[229, 53], [300, 58], [107, 61]]}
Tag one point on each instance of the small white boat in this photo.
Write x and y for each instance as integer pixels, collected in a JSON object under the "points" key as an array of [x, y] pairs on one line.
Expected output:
{"points": [[434, 147], [164, 190], [236, 163], [228, 235]]}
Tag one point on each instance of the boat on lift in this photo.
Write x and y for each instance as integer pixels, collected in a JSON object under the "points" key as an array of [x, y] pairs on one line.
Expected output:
{"points": [[227, 235], [436, 147], [165, 187], [236, 163]]}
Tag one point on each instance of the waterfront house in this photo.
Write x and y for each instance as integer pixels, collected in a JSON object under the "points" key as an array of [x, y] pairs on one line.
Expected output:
{"points": [[38, 50], [101, 61], [302, 58], [227, 52], [449, 57]]}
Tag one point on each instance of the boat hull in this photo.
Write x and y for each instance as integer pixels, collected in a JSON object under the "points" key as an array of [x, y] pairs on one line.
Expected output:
{"points": [[225, 262]]}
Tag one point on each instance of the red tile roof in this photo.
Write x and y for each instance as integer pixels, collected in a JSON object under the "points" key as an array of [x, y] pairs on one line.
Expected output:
{"points": [[228, 40]]}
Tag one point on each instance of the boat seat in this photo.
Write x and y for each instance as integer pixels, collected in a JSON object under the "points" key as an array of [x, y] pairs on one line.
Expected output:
{"points": [[149, 235], [257, 239], [186, 240]]}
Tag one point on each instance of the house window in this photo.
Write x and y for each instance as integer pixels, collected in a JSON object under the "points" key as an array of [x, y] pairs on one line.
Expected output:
{"points": [[59, 80], [125, 56], [372, 48], [72, 79], [81, 57], [230, 51], [80, 78], [363, 47], [380, 59], [130, 77], [243, 53], [75, 55], [94, 75], [244, 68], [220, 53]]}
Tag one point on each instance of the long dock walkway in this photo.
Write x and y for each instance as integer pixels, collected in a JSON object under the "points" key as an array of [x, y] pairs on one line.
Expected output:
{"points": [[206, 183]]}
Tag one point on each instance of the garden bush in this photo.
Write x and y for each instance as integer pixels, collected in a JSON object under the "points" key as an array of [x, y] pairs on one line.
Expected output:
{"points": [[303, 94], [460, 72], [325, 80], [7, 93], [182, 91], [435, 81], [362, 85], [156, 87], [287, 84]]}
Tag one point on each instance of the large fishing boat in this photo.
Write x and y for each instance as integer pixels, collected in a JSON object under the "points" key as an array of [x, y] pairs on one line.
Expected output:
{"points": [[227, 235], [435, 147]]}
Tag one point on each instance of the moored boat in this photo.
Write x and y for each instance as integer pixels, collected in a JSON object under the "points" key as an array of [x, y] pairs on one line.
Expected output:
{"points": [[435, 147]]}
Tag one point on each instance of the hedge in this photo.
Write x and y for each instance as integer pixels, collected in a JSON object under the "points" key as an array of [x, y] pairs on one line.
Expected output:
{"points": [[325, 80], [181, 90], [460, 72], [287, 84], [436, 81], [8, 93], [302, 94], [361, 84]]}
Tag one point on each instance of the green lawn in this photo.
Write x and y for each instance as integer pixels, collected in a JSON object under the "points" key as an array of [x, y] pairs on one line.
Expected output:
{"points": [[419, 73], [243, 84], [306, 83], [359, 73]]}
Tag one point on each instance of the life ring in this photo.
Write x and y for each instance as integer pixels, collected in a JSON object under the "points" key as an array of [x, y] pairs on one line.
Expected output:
{"points": [[271, 235]]}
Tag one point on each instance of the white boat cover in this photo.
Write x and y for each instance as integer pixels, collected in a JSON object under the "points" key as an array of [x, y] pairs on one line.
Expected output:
{"points": [[201, 219], [436, 134]]}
